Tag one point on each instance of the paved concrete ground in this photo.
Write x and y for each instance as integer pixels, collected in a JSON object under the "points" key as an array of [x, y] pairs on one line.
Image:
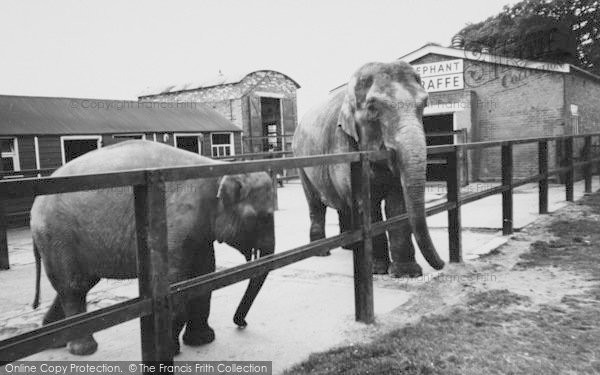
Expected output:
{"points": [[305, 307]]}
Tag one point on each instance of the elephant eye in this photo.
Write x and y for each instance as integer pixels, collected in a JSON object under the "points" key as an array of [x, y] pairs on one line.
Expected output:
{"points": [[365, 81]]}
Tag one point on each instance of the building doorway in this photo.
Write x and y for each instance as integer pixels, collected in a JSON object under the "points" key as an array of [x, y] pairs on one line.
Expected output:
{"points": [[271, 123], [75, 146], [438, 131]]}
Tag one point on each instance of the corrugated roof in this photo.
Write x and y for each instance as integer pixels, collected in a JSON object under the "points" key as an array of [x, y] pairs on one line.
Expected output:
{"points": [[46, 115], [218, 80]]}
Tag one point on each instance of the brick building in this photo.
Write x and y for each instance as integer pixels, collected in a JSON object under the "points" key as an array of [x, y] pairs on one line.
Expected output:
{"points": [[261, 103], [490, 97]]}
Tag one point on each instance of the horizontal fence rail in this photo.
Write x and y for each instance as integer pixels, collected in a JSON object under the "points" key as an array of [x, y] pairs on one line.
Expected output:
{"points": [[157, 296]]}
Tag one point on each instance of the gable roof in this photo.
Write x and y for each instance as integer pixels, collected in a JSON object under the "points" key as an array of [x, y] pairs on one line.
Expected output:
{"points": [[485, 57], [460, 53], [218, 80], [21, 115]]}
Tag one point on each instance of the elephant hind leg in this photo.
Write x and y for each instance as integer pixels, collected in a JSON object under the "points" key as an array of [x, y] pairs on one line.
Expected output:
{"points": [[54, 314], [73, 302], [316, 209]]}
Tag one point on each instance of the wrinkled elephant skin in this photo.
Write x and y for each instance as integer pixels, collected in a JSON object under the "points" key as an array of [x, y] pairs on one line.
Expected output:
{"points": [[380, 109], [85, 236]]}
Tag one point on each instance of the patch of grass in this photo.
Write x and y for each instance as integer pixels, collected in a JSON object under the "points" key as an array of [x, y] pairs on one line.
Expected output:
{"points": [[470, 341], [492, 253], [497, 298], [486, 338]]}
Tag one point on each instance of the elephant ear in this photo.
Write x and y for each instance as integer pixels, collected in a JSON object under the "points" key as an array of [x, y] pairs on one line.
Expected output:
{"points": [[229, 191], [346, 117]]}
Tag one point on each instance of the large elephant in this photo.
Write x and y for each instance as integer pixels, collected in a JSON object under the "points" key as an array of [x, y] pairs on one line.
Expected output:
{"points": [[85, 236], [381, 108]]}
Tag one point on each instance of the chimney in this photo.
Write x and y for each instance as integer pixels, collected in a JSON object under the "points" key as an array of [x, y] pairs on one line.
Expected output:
{"points": [[458, 41]]}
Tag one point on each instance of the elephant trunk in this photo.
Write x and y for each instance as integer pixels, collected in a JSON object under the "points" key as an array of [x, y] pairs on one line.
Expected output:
{"points": [[412, 154], [251, 292], [267, 248]]}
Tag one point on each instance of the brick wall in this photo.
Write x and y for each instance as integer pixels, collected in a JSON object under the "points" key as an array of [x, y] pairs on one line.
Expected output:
{"points": [[583, 91], [514, 102]]}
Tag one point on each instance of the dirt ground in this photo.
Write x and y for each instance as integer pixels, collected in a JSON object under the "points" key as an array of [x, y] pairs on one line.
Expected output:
{"points": [[531, 306], [308, 307]]}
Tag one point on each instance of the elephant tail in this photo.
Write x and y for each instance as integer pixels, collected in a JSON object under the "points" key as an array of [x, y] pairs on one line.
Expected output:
{"points": [[38, 274]]}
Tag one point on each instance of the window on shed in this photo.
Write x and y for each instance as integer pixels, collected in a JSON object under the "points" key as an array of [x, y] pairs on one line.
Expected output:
{"points": [[222, 144], [10, 154]]}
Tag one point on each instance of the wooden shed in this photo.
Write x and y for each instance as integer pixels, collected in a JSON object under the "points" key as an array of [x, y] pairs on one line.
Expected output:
{"points": [[45, 133]]}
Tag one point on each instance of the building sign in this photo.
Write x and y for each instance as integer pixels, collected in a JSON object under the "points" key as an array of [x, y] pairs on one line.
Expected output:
{"points": [[441, 76]]}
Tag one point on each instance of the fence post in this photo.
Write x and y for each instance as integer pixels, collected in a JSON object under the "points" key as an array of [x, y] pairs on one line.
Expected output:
{"points": [[153, 267], [453, 194], [587, 170], [569, 176], [4, 263], [507, 196], [274, 184], [543, 183], [360, 174]]}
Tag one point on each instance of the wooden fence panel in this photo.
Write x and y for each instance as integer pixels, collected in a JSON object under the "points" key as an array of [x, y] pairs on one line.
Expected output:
{"points": [[507, 195], [363, 255]]}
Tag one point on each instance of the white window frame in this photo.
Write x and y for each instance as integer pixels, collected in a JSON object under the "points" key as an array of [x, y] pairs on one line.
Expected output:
{"points": [[200, 136], [218, 146], [116, 136], [64, 138], [14, 155]]}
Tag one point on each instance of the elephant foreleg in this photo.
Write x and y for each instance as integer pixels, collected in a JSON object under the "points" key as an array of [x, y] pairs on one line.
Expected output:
{"points": [[380, 246], [381, 258], [345, 221], [197, 331], [401, 245]]}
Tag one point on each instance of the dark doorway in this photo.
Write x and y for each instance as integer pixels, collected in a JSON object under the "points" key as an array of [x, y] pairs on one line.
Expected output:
{"points": [[438, 130], [77, 147], [189, 143], [271, 123]]}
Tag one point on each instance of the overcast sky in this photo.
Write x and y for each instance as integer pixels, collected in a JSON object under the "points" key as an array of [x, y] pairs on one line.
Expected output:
{"points": [[110, 49]]}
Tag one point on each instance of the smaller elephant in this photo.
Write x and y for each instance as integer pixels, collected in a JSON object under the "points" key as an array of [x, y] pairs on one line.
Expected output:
{"points": [[85, 236]]}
